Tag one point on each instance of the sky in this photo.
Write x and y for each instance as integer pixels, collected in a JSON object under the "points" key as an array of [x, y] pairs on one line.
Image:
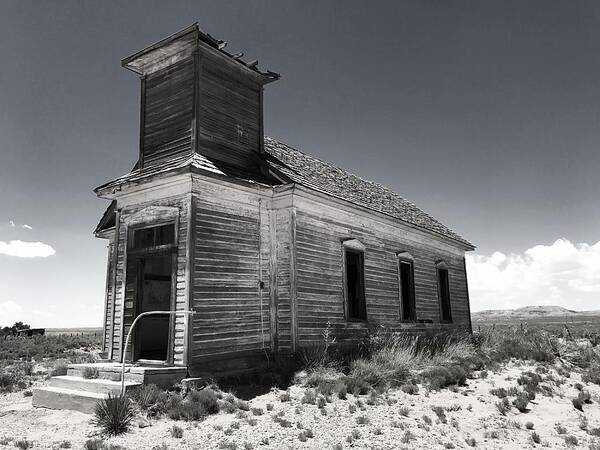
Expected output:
{"points": [[486, 114]]}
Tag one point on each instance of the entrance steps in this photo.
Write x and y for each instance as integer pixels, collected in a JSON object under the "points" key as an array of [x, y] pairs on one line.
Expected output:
{"points": [[73, 391]]}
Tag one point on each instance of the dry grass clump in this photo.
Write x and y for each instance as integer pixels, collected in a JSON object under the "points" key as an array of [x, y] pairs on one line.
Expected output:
{"points": [[194, 405], [176, 431], [389, 360], [506, 343], [503, 406]]}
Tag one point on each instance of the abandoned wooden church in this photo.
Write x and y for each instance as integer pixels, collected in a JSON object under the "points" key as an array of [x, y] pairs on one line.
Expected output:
{"points": [[264, 243]]}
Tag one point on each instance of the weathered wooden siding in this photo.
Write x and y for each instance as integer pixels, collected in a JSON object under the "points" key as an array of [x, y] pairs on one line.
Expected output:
{"points": [[319, 275], [167, 112], [148, 213], [108, 300], [283, 317], [229, 225], [229, 113]]}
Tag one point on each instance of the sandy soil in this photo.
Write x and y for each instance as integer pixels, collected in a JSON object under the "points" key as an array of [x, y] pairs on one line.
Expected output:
{"points": [[471, 414]]}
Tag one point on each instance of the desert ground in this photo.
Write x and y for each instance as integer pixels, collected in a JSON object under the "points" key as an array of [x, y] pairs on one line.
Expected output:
{"points": [[333, 405]]}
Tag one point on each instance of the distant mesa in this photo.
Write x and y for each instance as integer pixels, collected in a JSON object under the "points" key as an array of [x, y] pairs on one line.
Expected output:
{"points": [[529, 312]]}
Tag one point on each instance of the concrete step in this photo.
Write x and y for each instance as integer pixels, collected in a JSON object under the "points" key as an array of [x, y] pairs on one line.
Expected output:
{"points": [[97, 385], [53, 397], [112, 374]]}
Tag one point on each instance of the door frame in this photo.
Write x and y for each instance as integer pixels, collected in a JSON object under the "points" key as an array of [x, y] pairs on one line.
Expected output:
{"points": [[136, 343], [137, 254]]}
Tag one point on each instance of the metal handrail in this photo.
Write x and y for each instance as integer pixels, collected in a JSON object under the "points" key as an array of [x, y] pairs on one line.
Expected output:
{"points": [[147, 313]]}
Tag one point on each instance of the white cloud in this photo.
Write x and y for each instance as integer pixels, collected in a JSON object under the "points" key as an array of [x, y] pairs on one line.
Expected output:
{"points": [[563, 273], [25, 249], [11, 223], [27, 227]]}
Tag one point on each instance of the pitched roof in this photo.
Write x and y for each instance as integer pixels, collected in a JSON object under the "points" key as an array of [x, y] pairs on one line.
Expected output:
{"points": [[300, 168], [324, 177]]}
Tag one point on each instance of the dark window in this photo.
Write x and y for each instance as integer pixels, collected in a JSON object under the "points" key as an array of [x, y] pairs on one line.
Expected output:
{"points": [[154, 236], [444, 292], [355, 285], [407, 291]]}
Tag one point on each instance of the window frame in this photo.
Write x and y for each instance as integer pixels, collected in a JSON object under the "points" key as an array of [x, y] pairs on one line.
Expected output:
{"points": [[406, 258], [439, 267], [354, 246], [164, 248]]}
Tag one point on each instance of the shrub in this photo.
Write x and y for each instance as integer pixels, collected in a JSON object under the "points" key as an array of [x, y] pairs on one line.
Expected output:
{"points": [[440, 377], [65, 444], [285, 397], [404, 411], [161, 446], [560, 429], [594, 432], [257, 411], [150, 398], [530, 382], [309, 397], [196, 405], [592, 374], [269, 406], [427, 420], [440, 413], [521, 401], [503, 406], [571, 440], [529, 425], [23, 444], [114, 414], [407, 437], [584, 396], [499, 392], [410, 388], [341, 390], [321, 402], [471, 442], [90, 372], [7, 381], [304, 435], [362, 420], [60, 368], [94, 444], [536, 345], [535, 438], [577, 404], [176, 432]]}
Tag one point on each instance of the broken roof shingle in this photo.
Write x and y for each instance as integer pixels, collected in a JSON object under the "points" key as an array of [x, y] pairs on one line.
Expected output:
{"points": [[324, 177]]}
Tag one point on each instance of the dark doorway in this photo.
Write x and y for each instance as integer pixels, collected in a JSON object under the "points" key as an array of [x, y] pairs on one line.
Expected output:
{"points": [[154, 294]]}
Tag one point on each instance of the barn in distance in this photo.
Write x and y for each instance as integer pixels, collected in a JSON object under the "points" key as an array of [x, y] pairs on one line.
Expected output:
{"points": [[264, 243]]}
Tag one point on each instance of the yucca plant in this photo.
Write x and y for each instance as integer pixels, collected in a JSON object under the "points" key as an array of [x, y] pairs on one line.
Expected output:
{"points": [[114, 413]]}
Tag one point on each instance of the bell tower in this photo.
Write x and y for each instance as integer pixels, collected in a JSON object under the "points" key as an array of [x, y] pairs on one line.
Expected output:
{"points": [[198, 98]]}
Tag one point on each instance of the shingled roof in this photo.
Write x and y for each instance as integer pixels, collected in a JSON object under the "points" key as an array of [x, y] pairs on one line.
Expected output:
{"points": [[324, 177], [300, 168]]}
